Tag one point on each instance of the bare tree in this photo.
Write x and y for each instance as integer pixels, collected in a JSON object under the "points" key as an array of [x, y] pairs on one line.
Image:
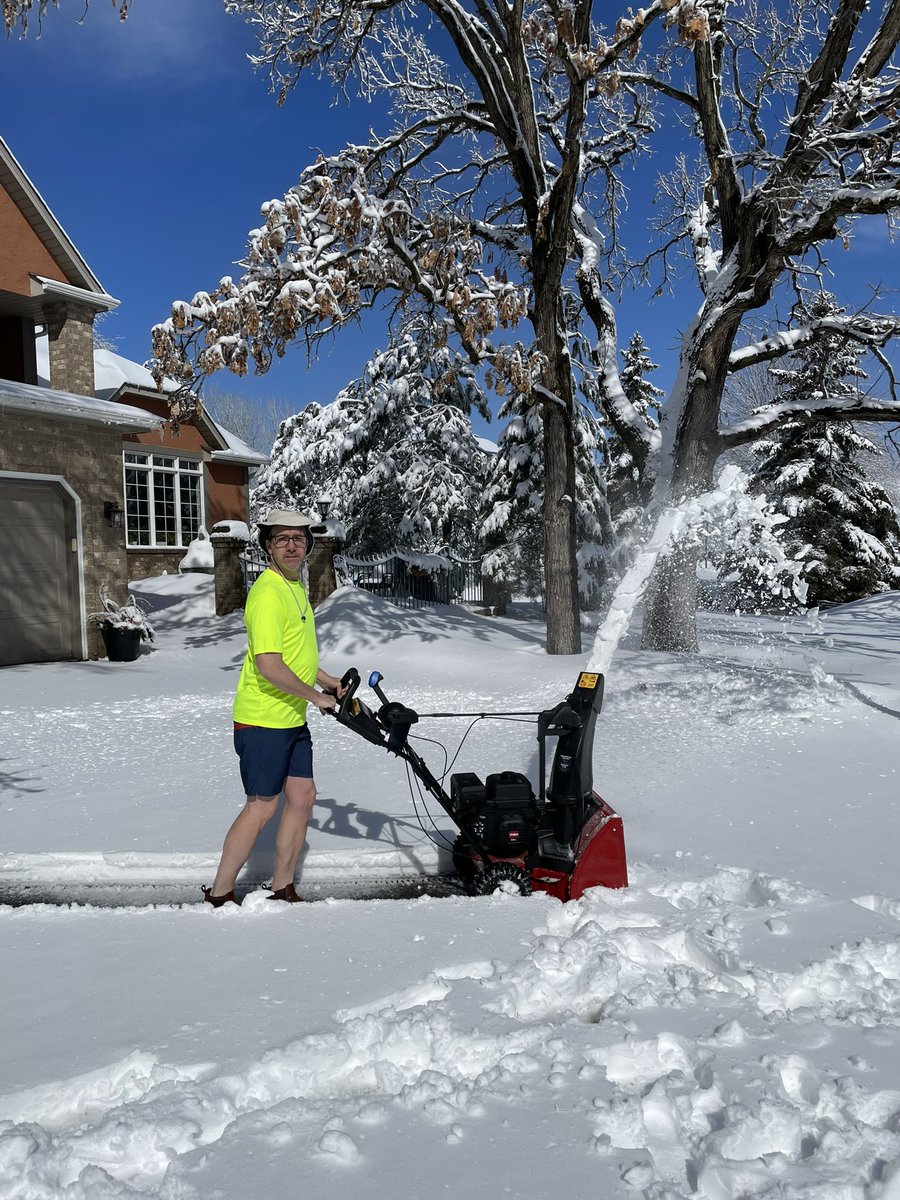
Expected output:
{"points": [[466, 209], [496, 191], [791, 117], [795, 111], [255, 421]]}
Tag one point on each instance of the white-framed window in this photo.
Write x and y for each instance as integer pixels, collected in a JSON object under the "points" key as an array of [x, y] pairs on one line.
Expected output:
{"points": [[163, 498]]}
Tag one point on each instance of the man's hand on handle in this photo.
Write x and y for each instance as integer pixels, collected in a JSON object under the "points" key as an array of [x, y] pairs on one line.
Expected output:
{"points": [[332, 692]]}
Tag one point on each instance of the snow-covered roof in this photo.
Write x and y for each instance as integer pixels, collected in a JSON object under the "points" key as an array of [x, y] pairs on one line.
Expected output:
{"points": [[27, 397], [37, 212], [113, 372], [487, 445], [238, 451]]}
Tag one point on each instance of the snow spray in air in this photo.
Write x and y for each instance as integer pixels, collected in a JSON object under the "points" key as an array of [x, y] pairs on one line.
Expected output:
{"points": [[742, 518]]}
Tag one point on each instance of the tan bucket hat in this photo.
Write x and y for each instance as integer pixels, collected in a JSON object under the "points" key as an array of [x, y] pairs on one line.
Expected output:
{"points": [[288, 517]]}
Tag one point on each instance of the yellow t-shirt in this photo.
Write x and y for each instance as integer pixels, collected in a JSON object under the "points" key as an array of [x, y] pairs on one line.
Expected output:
{"points": [[274, 618]]}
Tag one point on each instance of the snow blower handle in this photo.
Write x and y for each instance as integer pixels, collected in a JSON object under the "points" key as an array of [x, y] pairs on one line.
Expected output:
{"points": [[396, 718], [374, 680], [351, 682]]}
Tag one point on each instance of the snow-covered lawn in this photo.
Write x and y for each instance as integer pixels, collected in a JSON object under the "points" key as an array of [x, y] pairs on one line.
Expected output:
{"points": [[728, 1026]]}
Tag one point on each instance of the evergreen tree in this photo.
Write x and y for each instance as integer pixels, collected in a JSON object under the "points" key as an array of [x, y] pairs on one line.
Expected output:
{"points": [[628, 488], [843, 524], [395, 452], [513, 501], [305, 464]]}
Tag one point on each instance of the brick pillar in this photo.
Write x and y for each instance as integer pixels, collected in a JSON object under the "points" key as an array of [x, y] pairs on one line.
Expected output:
{"points": [[228, 572], [70, 332], [322, 581]]}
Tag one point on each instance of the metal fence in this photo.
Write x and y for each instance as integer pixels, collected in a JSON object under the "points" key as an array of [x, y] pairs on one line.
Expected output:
{"points": [[408, 580], [414, 580], [253, 562]]}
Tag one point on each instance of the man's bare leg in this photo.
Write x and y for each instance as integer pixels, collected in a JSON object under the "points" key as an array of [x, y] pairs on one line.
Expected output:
{"points": [[299, 798], [240, 840]]}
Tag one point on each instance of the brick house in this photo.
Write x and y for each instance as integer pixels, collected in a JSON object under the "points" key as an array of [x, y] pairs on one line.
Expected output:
{"points": [[94, 486]]}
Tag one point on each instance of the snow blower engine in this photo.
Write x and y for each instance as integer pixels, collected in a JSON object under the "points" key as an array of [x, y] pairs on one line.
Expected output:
{"points": [[563, 840]]}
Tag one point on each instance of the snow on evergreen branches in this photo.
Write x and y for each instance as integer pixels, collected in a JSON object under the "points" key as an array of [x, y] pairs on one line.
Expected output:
{"points": [[629, 486], [514, 496], [395, 452], [845, 522]]}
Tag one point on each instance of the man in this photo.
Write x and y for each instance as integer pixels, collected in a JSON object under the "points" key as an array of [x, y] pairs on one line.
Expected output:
{"points": [[276, 684]]}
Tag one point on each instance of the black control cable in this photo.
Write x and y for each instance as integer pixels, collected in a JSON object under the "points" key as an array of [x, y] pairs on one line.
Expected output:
{"points": [[482, 714]]}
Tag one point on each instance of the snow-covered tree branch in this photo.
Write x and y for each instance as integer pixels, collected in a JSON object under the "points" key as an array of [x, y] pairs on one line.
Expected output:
{"points": [[808, 412], [781, 181], [529, 108], [499, 191], [869, 331]]}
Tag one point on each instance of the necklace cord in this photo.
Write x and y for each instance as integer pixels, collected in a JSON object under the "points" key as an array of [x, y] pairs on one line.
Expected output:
{"points": [[301, 611]]}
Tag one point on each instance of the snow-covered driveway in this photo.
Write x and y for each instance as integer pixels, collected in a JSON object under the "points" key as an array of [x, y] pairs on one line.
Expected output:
{"points": [[728, 1026]]}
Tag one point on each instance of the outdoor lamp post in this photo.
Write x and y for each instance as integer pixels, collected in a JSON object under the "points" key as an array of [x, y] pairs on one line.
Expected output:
{"points": [[322, 578]]}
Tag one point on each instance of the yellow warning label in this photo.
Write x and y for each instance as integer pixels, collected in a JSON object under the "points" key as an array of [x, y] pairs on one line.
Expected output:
{"points": [[588, 680]]}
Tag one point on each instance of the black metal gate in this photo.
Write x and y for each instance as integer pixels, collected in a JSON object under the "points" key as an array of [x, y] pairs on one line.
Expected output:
{"points": [[406, 579], [253, 562], [414, 580]]}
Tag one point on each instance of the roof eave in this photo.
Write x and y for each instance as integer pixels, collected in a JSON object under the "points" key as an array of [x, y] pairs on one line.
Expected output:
{"points": [[45, 402], [100, 301], [234, 456], [207, 427]]}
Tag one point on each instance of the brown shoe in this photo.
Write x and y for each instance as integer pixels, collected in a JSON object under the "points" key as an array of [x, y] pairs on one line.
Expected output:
{"points": [[288, 894], [218, 901]]}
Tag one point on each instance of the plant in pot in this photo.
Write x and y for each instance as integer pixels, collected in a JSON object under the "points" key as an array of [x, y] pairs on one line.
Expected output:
{"points": [[122, 626]]}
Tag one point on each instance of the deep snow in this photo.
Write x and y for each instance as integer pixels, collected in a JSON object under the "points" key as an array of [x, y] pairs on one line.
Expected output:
{"points": [[725, 1027]]}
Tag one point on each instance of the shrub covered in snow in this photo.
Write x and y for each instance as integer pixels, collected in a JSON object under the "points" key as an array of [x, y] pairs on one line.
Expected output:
{"points": [[199, 556], [122, 616]]}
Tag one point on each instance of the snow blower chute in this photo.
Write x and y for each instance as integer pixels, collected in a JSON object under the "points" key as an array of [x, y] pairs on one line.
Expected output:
{"points": [[563, 840]]}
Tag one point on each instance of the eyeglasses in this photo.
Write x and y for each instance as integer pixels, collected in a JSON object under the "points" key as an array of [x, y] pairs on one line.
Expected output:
{"points": [[285, 539]]}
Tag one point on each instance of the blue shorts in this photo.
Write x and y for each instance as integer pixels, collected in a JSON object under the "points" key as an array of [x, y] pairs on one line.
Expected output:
{"points": [[269, 756]]}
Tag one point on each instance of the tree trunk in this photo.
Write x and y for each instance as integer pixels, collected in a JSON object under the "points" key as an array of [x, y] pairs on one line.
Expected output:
{"points": [[560, 563], [670, 612], [670, 615]]}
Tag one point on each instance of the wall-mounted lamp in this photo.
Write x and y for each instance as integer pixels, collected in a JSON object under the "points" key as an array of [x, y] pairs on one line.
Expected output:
{"points": [[112, 513]]}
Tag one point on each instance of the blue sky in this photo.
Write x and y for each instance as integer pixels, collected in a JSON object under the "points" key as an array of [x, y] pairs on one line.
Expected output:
{"points": [[154, 143]]}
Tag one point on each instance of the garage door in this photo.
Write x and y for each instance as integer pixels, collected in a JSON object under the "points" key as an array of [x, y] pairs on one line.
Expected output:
{"points": [[39, 602]]}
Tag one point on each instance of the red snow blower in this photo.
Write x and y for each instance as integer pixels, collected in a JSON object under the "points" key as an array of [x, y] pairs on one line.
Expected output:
{"points": [[563, 840]]}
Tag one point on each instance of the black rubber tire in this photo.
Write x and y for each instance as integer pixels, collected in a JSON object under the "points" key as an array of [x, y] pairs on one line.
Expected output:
{"points": [[495, 875]]}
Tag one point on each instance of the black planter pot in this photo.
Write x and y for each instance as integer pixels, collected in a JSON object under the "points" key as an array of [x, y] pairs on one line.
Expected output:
{"points": [[122, 645]]}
